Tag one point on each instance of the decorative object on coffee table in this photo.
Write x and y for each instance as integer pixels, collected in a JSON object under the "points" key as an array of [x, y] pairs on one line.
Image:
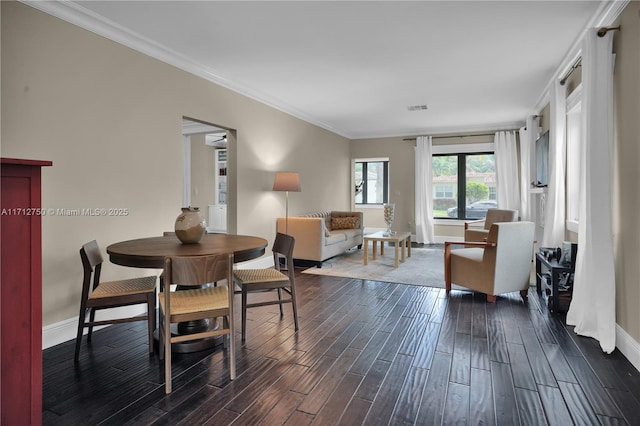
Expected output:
{"points": [[389, 210], [190, 225]]}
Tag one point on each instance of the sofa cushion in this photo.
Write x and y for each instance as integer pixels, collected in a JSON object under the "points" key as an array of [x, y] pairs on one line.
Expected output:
{"points": [[335, 237], [349, 222], [352, 233]]}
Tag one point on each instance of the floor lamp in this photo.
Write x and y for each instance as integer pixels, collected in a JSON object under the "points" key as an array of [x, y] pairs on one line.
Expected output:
{"points": [[287, 181]]}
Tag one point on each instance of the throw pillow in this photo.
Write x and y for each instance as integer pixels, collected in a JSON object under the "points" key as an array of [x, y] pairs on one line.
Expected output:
{"points": [[345, 222]]}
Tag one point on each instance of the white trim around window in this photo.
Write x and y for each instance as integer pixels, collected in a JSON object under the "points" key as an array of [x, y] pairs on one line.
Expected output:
{"points": [[466, 148]]}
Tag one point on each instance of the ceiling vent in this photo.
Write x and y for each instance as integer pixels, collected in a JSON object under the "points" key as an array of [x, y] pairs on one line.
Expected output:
{"points": [[417, 107]]}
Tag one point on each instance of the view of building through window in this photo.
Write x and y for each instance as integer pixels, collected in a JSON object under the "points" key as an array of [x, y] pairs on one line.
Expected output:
{"points": [[464, 185]]}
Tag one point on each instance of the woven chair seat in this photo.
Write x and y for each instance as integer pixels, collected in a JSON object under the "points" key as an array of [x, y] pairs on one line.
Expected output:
{"points": [[250, 276], [253, 280], [139, 285], [196, 300], [111, 294]]}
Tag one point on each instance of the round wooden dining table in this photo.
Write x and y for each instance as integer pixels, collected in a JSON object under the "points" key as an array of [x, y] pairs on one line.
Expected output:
{"points": [[150, 253]]}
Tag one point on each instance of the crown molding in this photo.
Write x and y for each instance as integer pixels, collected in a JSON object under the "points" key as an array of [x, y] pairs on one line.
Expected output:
{"points": [[440, 131], [77, 15], [607, 13], [84, 18]]}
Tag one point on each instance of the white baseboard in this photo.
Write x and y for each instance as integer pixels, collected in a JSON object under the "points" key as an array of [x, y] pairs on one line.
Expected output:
{"points": [[60, 332], [66, 330], [440, 239], [628, 346]]}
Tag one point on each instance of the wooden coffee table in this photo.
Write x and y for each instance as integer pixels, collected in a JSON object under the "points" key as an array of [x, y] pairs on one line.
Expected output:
{"points": [[400, 239]]}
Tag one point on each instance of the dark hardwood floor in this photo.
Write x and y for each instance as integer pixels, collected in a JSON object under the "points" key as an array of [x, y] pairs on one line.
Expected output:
{"points": [[367, 353]]}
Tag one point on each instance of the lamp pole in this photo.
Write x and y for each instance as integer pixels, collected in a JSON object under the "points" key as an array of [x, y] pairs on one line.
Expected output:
{"points": [[287, 181]]}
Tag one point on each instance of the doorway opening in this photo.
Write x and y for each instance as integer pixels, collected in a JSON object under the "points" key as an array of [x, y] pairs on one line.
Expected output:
{"points": [[205, 171]]}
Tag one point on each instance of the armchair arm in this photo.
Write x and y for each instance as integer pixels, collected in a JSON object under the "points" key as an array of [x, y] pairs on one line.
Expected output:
{"points": [[447, 257], [309, 233], [472, 222]]}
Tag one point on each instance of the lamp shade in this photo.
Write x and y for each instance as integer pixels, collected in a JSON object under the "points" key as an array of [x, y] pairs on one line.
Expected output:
{"points": [[287, 181]]}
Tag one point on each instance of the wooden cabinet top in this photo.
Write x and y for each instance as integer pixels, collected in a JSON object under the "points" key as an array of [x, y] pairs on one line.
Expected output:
{"points": [[25, 162]]}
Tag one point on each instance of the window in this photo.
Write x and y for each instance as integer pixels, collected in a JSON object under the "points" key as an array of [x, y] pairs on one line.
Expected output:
{"points": [[372, 181], [471, 180]]}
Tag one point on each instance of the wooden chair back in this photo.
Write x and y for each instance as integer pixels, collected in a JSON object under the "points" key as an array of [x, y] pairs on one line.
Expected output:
{"points": [[200, 303], [92, 266], [195, 271], [111, 294], [283, 247]]}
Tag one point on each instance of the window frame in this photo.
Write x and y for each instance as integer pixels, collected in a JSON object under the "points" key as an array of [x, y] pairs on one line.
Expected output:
{"points": [[385, 181], [461, 151]]}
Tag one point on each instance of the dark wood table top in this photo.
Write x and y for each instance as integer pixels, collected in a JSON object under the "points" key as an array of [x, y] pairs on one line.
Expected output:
{"points": [[150, 252]]}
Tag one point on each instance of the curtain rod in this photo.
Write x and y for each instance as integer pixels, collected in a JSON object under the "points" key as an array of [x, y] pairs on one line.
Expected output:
{"points": [[577, 64], [465, 136], [601, 33]]}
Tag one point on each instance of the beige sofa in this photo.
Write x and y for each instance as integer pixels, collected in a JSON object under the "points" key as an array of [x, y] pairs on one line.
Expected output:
{"points": [[322, 235]]}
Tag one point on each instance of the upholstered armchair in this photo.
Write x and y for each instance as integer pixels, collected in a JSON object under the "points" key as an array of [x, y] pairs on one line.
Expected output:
{"points": [[472, 233], [499, 265]]}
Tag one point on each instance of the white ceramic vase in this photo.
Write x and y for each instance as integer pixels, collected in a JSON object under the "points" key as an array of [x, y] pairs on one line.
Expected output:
{"points": [[190, 225]]}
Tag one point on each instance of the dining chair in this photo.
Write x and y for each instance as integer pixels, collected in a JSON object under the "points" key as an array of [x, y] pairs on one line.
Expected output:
{"points": [[253, 280], [98, 295], [196, 298]]}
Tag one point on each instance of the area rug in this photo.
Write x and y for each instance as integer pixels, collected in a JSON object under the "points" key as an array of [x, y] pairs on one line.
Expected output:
{"points": [[424, 267]]}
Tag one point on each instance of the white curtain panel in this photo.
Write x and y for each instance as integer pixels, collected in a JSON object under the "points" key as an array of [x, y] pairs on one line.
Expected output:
{"points": [[508, 184], [528, 136], [424, 195], [592, 309], [554, 214]]}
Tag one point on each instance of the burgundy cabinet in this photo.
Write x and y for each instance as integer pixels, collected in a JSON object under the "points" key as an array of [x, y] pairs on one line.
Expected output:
{"points": [[21, 292]]}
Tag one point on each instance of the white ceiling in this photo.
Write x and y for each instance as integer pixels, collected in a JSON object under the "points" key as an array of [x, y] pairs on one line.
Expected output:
{"points": [[355, 67]]}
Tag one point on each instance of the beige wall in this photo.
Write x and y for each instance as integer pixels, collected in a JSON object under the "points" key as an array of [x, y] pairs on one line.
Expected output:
{"points": [[626, 177], [401, 185], [110, 120]]}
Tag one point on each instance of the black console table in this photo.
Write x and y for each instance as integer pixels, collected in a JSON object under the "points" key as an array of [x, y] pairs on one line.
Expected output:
{"points": [[556, 271]]}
